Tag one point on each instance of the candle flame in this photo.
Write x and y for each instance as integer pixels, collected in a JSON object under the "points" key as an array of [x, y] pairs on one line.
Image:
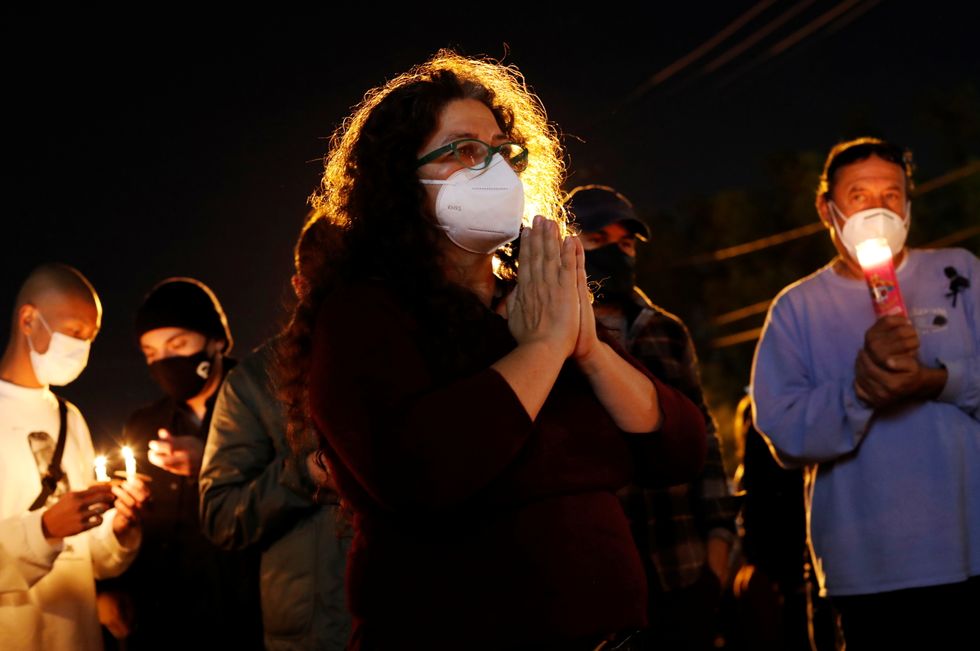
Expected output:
{"points": [[100, 471], [873, 252]]}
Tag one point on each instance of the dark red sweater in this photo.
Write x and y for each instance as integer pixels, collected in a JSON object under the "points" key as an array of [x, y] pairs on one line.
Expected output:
{"points": [[474, 526]]}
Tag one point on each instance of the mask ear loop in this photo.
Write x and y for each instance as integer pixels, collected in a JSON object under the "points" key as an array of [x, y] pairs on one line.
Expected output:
{"points": [[835, 215], [30, 344], [43, 321]]}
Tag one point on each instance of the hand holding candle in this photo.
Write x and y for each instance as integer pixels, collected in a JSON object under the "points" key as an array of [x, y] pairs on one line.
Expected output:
{"points": [[129, 499], [875, 258]]}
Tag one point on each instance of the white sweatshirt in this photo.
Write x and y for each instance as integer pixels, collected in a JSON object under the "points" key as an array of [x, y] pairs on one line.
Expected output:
{"points": [[47, 588]]}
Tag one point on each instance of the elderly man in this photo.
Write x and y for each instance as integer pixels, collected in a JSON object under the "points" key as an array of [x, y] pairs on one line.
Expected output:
{"points": [[882, 412]]}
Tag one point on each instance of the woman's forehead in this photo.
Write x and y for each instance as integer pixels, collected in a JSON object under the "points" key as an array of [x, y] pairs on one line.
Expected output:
{"points": [[467, 117]]}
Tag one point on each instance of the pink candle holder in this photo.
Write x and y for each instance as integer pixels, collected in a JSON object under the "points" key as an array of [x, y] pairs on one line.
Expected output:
{"points": [[875, 258]]}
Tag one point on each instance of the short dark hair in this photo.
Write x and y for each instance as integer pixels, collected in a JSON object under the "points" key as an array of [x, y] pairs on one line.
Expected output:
{"points": [[851, 151]]}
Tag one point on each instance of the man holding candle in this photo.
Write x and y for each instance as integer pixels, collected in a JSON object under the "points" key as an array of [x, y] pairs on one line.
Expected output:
{"points": [[58, 529], [882, 412]]}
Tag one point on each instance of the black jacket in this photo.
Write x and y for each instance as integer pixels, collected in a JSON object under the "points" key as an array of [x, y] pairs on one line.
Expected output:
{"points": [[186, 593]]}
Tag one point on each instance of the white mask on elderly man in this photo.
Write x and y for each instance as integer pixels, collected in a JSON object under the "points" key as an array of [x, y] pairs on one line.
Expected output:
{"points": [[481, 210], [64, 360], [871, 223]]}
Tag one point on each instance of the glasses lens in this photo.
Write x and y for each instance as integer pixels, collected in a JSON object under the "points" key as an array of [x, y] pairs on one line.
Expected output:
{"points": [[514, 154], [471, 154]]}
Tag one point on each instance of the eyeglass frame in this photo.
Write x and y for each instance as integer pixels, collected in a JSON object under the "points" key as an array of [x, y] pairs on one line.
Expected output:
{"points": [[436, 153]]}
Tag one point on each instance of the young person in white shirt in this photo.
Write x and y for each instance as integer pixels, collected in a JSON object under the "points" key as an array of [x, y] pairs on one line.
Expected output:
{"points": [[59, 529]]}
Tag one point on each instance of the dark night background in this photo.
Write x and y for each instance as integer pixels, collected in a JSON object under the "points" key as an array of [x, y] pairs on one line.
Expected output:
{"points": [[145, 146]]}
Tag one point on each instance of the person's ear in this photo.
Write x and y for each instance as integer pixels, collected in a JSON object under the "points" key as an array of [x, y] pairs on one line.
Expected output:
{"points": [[823, 209], [27, 319], [215, 346]]}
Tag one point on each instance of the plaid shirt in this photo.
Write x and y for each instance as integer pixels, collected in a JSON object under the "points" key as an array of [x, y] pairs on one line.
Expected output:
{"points": [[672, 524]]}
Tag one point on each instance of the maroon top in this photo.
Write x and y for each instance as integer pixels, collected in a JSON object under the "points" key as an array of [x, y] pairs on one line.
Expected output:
{"points": [[474, 526]]}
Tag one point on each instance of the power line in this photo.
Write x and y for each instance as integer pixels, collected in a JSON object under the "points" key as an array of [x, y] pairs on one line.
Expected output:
{"points": [[737, 338], [958, 236], [811, 27], [754, 245], [741, 313], [756, 36], [846, 7], [947, 178], [698, 52], [851, 16], [850, 13]]}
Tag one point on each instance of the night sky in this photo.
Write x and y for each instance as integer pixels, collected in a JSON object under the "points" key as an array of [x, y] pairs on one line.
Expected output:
{"points": [[145, 146]]}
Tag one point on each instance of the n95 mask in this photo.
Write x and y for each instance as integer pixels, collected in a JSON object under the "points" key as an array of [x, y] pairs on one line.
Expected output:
{"points": [[481, 210]]}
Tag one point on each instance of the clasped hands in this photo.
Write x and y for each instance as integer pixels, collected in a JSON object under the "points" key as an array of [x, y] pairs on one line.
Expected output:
{"points": [[887, 370], [551, 304]]}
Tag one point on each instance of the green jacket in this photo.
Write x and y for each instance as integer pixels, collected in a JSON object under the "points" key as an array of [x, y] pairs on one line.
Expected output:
{"points": [[253, 493]]}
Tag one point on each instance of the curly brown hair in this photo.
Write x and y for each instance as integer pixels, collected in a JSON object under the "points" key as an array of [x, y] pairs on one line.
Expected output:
{"points": [[370, 193]]}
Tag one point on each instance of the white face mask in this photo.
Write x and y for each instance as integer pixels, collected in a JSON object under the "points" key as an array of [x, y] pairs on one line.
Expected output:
{"points": [[64, 360], [871, 223], [481, 210]]}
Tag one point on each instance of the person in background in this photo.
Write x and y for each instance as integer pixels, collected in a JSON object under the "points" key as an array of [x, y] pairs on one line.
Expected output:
{"points": [[59, 529], [882, 412], [256, 494], [776, 595], [184, 592], [685, 532]]}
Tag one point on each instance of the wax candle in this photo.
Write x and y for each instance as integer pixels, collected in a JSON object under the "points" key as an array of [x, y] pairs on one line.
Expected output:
{"points": [[875, 258], [130, 459], [100, 471]]}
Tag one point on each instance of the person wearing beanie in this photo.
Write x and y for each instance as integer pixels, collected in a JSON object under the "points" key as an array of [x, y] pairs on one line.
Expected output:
{"points": [[182, 590], [684, 532]]}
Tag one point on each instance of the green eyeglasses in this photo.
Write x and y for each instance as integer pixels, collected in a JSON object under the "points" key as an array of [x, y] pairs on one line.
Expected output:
{"points": [[476, 154]]}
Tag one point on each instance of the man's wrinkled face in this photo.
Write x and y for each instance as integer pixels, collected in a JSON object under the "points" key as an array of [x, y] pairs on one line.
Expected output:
{"points": [[869, 183]]}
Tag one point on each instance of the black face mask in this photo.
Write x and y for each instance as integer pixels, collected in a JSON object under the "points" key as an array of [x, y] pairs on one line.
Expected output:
{"points": [[182, 378], [613, 269]]}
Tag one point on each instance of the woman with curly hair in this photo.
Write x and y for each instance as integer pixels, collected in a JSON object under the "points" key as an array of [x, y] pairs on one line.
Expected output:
{"points": [[473, 421]]}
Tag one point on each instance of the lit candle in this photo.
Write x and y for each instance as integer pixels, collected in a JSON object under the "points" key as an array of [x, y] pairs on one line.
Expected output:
{"points": [[875, 258], [130, 459], [100, 472]]}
